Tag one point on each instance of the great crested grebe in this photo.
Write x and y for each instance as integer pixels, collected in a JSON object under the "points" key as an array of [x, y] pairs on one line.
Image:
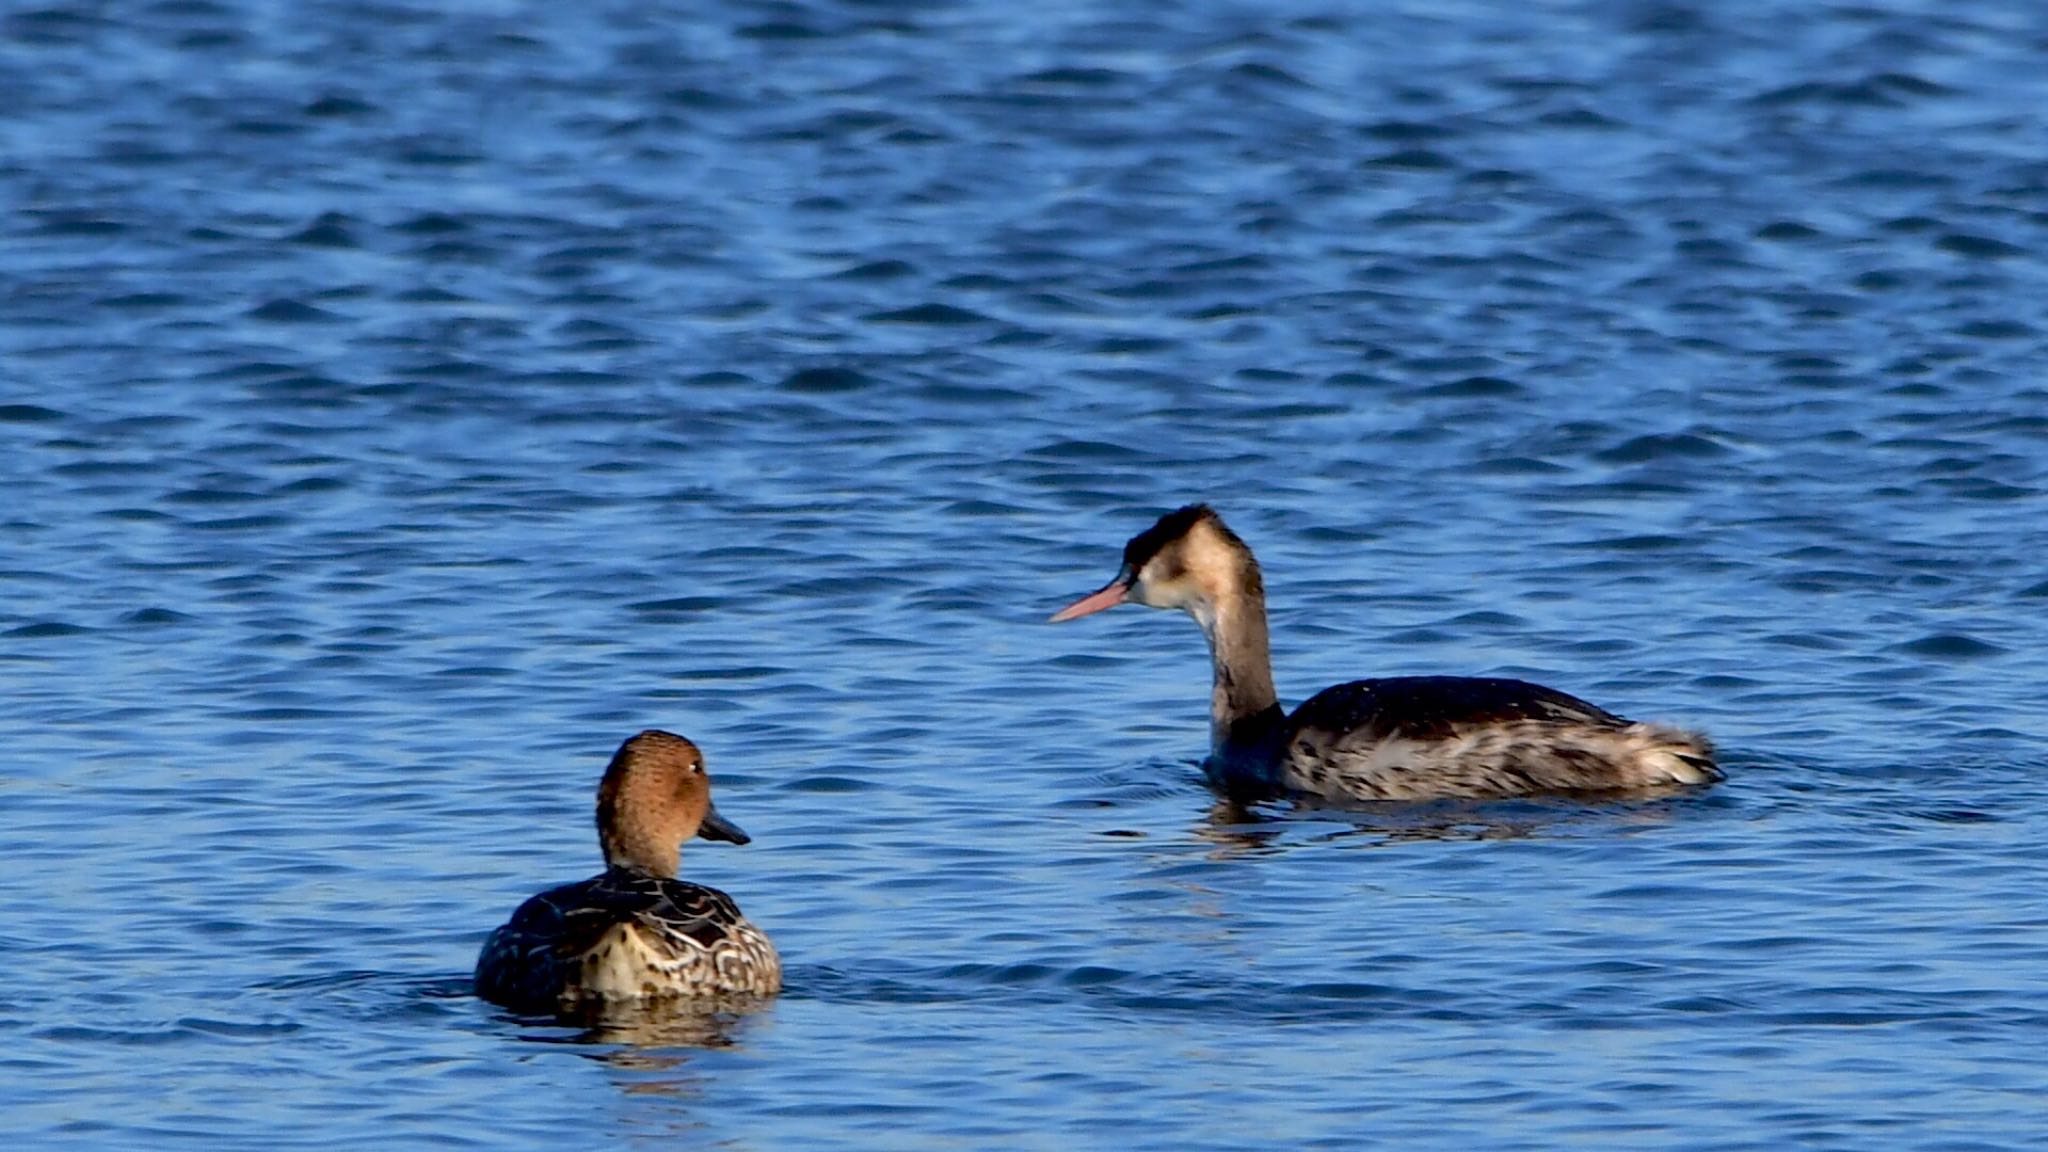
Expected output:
{"points": [[1395, 738], [635, 932]]}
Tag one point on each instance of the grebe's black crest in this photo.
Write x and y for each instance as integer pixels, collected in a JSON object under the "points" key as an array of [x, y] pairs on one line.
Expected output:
{"points": [[1170, 527], [1165, 546]]}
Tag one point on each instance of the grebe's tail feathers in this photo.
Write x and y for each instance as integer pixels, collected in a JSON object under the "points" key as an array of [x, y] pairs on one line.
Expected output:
{"points": [[1673, 755]]}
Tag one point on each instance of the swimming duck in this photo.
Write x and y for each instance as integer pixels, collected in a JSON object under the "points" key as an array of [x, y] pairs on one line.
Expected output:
{"points": [[1394, 738], [635, 932]]}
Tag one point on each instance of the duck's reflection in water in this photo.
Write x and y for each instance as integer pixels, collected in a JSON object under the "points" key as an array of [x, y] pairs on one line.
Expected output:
{"points": [[651, 1034]]}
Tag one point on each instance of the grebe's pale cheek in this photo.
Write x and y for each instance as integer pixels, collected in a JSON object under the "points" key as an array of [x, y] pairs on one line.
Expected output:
{"points": [[1179, 590], [1147, 595]]}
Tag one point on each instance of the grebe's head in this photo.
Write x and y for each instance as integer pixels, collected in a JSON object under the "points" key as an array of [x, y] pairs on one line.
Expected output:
{"points": [[656, 795], [1189, 559]]}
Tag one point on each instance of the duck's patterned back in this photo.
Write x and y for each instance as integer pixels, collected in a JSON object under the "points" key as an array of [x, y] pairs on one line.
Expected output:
{"points": [[625, 934]]}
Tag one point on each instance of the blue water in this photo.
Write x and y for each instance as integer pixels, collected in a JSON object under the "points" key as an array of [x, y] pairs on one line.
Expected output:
{"points": [[402, 403]]}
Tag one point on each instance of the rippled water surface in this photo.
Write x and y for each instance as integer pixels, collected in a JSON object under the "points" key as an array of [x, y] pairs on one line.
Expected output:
{"points": [[405, 402]]}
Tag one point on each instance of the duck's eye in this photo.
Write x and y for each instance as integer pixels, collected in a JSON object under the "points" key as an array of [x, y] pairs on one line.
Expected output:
{"points": [[697, 767]]}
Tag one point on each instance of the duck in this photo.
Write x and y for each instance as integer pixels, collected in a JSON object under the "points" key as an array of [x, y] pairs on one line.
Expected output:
{"points": [[1389, 738], [635, 932]]}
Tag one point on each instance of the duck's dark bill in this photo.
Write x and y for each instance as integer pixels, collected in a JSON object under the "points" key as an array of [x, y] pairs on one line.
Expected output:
{"points": [[716, 827], [1109, 596]]}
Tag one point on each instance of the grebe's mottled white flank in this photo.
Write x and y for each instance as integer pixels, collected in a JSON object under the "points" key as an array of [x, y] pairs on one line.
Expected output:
{"points": [[635, 932], [1396, 738]]}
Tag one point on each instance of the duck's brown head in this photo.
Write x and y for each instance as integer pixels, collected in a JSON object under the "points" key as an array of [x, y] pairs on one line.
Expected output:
{"points": [[656, 795]]}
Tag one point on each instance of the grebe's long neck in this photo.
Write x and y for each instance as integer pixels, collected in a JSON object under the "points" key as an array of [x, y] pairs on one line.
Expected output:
{"points": [[1244, 710]]}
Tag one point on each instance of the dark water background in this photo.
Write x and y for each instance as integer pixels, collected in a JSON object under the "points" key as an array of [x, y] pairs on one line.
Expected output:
{"points": [[405, 402]]}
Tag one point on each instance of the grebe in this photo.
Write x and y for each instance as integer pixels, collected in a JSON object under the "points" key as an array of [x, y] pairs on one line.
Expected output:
{"points": [[635, 932], [1395, 738]]}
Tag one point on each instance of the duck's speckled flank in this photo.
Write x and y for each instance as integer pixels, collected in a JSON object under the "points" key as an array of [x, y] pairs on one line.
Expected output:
{"points": [[625, 935]]}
